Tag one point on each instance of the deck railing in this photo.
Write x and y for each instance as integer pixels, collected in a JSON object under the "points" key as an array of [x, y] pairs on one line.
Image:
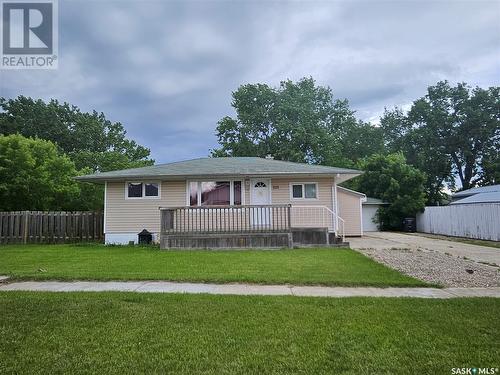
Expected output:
{"points": [[317, 216], [226, 219]]}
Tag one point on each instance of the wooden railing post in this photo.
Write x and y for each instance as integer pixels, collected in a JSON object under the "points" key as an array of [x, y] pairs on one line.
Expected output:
{"points": [[26, 226], [167, 218]]}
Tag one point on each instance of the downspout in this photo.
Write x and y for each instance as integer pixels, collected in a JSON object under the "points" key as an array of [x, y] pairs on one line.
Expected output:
{"points": [[335, 203], [105, 204], [334, 198]]}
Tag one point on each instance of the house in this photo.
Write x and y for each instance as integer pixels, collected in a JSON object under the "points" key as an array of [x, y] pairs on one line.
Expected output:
{"points": [[483, 194], [369, 211], [230, 202]]}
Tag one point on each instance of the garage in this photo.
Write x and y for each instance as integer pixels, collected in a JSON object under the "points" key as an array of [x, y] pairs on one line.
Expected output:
{"points": [[370, 207]]}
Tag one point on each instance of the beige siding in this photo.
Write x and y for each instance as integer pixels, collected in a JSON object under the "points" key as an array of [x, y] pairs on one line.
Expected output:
{"points": [[133, 215], [301, 216], [280, 192], [350, 211]]}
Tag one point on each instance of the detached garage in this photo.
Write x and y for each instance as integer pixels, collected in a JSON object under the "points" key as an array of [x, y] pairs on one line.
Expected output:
{"points": [[349, 208], [370, 207]]}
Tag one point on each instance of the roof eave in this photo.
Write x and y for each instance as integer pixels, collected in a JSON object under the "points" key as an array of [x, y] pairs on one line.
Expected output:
{"points": [[99, 178]]}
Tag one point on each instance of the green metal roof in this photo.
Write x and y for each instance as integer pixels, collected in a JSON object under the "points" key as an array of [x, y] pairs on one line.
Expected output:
{"points": [[229, 166]]}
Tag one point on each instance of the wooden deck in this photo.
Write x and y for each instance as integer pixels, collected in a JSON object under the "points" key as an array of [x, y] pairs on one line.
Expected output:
{"points": [[247, 226]]}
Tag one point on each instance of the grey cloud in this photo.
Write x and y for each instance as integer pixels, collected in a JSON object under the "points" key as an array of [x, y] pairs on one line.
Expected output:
{"points": [[166, 70]]}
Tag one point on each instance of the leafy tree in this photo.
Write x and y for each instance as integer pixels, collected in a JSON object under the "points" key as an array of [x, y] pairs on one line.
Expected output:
{"points": [[34, 175], [421, 151], [298, 121], [490, 167], [91, 141], [450, 132], [390, 178]]}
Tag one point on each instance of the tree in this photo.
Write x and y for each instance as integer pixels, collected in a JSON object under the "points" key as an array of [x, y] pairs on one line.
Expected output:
{"points": [[298, 121], [450, 132], [34, 175], [91, 141], [390, 178], [421, 151], [490, 167]]}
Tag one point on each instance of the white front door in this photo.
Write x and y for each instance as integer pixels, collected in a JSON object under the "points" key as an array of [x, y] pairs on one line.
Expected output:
{"points": [[260, 194]]}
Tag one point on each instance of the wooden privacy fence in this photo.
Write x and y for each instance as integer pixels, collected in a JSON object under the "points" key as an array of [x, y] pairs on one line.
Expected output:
{"points": [[478, 220], [51, 227]]}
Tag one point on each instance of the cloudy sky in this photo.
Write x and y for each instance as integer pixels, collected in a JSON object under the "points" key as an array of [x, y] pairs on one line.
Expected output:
{"points": [[166, 69]]}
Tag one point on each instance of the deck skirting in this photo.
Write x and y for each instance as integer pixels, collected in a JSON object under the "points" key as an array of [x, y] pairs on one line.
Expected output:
{"points": [[226, 241]]}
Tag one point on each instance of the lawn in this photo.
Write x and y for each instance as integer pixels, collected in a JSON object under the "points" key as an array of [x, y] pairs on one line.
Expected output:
{"points": [[97, 262], [119, 333]]}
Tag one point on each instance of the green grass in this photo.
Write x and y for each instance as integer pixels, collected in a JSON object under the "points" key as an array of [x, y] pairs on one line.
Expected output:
{"points": [[305, 266], [116, 333]]}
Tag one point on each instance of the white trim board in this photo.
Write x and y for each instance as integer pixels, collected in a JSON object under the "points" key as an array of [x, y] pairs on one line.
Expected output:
{"points": [[105, 204], [353, 192]]}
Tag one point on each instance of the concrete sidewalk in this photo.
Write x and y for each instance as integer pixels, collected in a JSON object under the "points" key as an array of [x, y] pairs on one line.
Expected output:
{"points": [[245, 289]]}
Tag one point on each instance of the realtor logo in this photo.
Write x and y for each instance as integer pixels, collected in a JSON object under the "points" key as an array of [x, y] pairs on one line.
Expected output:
{"points": [[29, 34]]}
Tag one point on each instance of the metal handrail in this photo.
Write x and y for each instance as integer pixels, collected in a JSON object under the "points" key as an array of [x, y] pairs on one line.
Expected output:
{"points": [[335, 218]]}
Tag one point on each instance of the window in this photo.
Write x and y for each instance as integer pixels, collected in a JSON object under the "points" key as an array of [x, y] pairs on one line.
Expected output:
{"points": [[215, 193], [134, 189], [304, 191], [142, 190], [193, 194], [310, 190], [297, 191], [237, 193], [151, 190]]}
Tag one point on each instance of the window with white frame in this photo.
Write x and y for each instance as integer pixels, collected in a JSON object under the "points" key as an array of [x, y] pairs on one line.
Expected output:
{"points": [[142, 190], [304, 191], [215, 193]]}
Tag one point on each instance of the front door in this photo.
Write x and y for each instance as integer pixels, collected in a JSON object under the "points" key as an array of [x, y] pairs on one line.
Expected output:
{"points": [[260, 195]]}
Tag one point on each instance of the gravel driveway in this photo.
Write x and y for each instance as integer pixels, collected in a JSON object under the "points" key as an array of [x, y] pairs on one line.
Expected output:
{"points": [[432, 260]]}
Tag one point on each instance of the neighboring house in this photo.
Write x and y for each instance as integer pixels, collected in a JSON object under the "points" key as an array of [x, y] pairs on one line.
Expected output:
{"points": [[227, 196], [370, 207], [483, 194]]}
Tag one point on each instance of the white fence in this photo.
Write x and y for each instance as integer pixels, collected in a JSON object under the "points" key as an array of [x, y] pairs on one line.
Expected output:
{"points": [[479, 220]]}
